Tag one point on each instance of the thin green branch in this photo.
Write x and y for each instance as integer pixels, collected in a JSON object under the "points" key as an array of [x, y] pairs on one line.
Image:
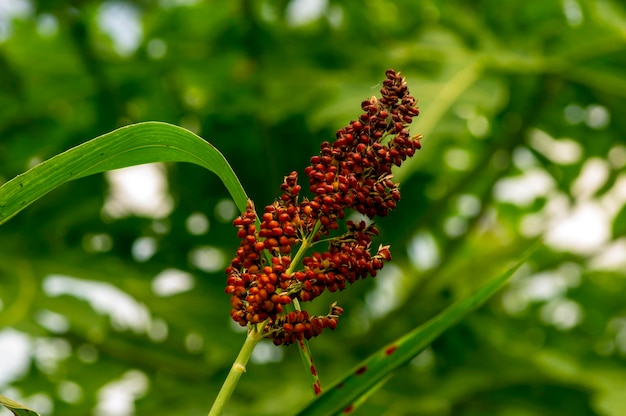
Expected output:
{"points": [[305, 350], [307, 242], [255, 334]]}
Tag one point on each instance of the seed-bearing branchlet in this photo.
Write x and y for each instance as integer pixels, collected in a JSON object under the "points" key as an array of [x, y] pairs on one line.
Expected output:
{"points": [[298, 325], [352, 173]]}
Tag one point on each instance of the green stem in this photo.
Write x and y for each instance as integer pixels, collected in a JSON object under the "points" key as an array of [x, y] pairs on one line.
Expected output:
{"points": [[255, 334], [306, 244]]}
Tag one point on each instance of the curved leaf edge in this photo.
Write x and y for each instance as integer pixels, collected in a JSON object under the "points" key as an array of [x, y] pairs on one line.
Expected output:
{"points": [[132, 145], [16, 408], [346, 394]]}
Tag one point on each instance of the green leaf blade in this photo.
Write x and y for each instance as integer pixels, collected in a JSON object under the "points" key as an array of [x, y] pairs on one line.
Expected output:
{"points": [[371, 373], [132, 145], [16, 408]]}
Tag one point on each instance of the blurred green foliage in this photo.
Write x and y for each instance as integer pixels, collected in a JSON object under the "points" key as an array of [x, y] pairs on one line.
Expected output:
{"points": [[522, 107]]}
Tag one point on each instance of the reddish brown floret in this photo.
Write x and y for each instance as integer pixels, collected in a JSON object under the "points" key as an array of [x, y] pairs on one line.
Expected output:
{"points": [[352, 173]]}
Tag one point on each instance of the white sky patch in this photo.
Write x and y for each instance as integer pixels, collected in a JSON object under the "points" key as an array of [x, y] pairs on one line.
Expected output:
{"points": [[69, 391], [386, 293], [458, 159], [9, 10], [117, 398], [585, 228], [16, 350], [597, 116], [177, 3], [561, 151], [268, 13], [50, 352], [617, 327], [582, 227], [194, 342], [138, 190], [157, 48], [477, 123], [125, 312], [207, 258], [266, 352], [564, 314], [226, 210], [47, 25], [582, 230], [545, 286], [171, 282], [523, 158], [15, 8], [617, 156], [52, 321], [523, 189], [301, 12], [122, 23], [40, 401], [533, 225], [197, 223], [468, 205], [573, 12], [335, 15], [423, 251], [455, 226], [158, 330], [478, 126], [615, 198], [593, 175], [144, 248], [611, 257]]}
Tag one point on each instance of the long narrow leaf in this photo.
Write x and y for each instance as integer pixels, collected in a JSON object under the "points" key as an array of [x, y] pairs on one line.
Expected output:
{"points": [[369, 375], [16, 408], [127, 146]]}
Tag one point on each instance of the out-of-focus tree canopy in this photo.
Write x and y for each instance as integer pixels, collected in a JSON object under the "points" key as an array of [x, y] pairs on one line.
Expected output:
{"points": [[118, 308]]}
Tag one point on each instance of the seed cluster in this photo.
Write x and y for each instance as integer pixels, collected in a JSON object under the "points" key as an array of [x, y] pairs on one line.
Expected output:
{"points": [[352, 173], [348, 259]]}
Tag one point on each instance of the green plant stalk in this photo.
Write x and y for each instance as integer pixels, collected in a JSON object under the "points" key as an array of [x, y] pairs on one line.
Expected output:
{"points": [[304, 349], [306, 244], [255, 334], [307, 361], [305, 355]]}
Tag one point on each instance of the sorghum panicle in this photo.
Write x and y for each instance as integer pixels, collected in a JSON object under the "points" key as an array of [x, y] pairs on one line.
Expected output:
{"points": [[352, 173]]}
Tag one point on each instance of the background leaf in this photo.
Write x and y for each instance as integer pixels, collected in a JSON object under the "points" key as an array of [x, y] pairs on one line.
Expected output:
{"points": [[16, 408], [520, 107], [369, 374], [127, 146]]}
